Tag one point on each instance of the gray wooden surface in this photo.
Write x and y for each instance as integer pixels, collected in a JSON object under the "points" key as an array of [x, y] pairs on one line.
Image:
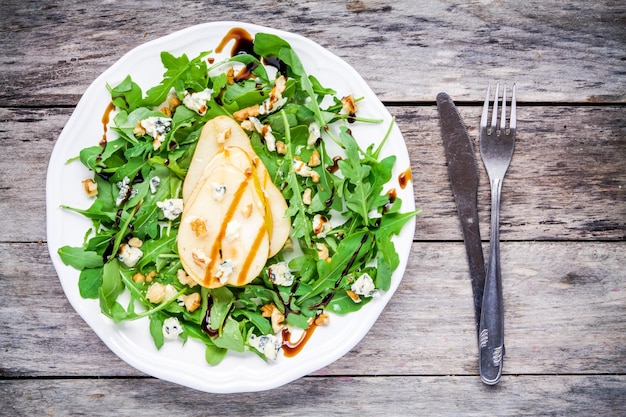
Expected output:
{"points": [[563, 215]]}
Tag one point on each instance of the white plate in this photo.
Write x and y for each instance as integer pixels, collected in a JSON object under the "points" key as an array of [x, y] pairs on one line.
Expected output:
{"points": [[131, 341]]}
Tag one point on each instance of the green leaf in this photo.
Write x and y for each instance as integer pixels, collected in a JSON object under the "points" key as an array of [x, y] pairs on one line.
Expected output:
{"points": [[394, 222], [297, 320], [98, 211], [156, 329], [390, 224], [89, 282], [230, 337], [154, 247], [350, 253], [214, 355], [260, 322], [92, 156], [112, 286], [180, 74], [343, 304], [222, 301], [79, 258], [126, 95]]}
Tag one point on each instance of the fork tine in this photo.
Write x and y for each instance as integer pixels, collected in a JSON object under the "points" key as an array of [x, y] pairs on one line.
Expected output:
{"points": [[503, 117], [513, 122], [494, 114], [485, 116]]}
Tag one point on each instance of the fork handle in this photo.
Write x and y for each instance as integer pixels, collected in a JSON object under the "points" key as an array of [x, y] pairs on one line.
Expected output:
{"points": [[491, 329]]}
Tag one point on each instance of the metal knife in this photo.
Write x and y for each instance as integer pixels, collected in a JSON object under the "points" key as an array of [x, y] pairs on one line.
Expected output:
{"points": [[463, 172]]}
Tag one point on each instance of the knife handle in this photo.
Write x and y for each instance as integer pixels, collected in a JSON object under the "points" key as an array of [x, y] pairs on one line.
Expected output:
{"points": [[491, 333]]}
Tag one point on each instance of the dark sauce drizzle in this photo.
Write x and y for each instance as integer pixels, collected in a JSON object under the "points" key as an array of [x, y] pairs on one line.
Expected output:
{"points": [[105, 123], [405, 177], [244, 44]]}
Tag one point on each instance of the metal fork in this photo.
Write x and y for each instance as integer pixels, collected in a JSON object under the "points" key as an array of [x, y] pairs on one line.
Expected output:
{"points": [[497, 143]]}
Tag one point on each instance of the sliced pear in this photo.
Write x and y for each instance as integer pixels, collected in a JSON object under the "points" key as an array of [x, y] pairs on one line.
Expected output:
{"points": [[224, 240], [216, 134], [222, 133], [238, 158]]}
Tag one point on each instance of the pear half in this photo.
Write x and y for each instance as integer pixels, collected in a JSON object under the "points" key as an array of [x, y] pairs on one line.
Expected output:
{"points": [[234, 216], [221, 133], [223, 238]]}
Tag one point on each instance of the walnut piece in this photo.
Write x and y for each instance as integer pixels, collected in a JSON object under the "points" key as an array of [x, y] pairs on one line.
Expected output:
{"points": [[315, 160], [306, 196], [192, 302], [90, 186], [156, 293], [199, 227], [200, 258], [354, 296], [185, 279], [135, 242], [243, 114], [349, 105], [281, 148], [139, 129], [322, 319]]}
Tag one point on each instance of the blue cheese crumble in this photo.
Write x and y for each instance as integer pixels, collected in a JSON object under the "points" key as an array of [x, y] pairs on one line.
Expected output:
{"points": [[314, 135], [157, 127], [154, 184], [197, 101], [268, 345], [232, 230], [225, 270], [171, 328], [364, 286], [280, 274], [172, 208], [126, 191], [301, 168], [219, 191], [321, 225], [129, 255]]}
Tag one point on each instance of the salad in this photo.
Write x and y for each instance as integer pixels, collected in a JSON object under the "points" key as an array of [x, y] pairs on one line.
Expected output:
{"points": [[338, 252]]}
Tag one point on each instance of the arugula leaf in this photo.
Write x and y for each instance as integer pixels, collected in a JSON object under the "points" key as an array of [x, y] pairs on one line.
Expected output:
{"points": [[126, 95], [230, 337], [343, 304], [89, 281], [222, 301], [111, 287], [214, 355], [331, 273], [93, 155], [155, 247], [181, 73], [156, 329], [388, 259], [79, 258]]}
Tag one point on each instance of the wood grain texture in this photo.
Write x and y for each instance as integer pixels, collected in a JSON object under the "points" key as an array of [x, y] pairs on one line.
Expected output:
{"points": [[425, 330], [566, 180], [563, 219], [320, 396], [555, 52]]}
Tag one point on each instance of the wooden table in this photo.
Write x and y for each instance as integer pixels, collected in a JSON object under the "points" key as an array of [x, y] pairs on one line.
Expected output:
{"points": [[563, 214]]}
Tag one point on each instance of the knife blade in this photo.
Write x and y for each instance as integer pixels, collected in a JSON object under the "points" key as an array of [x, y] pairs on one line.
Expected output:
{"points": [[463, 173]]}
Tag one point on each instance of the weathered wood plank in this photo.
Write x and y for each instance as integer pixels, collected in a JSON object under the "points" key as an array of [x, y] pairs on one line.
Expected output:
{"points": [[566, 180], [565, 312], [554, 52], [313, 396]]}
